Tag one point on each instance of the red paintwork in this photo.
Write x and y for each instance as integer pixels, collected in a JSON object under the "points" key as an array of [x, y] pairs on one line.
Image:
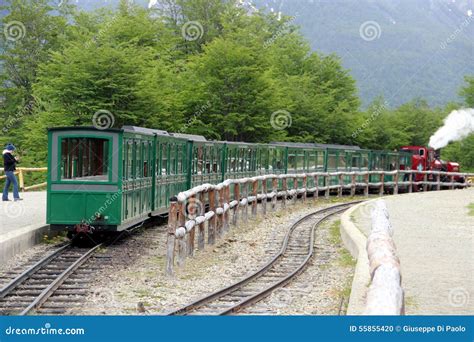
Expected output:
{"points": [[424, 159]]}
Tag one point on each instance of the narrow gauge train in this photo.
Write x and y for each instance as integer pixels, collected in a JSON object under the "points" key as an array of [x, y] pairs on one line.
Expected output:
{"points": [[428, 159], [110, 180]]}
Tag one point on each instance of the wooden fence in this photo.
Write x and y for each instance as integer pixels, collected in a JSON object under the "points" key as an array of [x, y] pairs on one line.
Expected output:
{"points": [[20, 172], [385, 295], [227, 203]]}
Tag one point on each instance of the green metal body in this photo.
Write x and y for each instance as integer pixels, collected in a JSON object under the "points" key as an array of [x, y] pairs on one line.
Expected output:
{"points": [[146, 168]]}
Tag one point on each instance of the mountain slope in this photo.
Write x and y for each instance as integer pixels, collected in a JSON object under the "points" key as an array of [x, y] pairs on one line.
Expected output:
{"points": [[421, 48]]}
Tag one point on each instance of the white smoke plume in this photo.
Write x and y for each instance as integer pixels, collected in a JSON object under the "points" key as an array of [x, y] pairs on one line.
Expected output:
{"points": [[457, 125]]}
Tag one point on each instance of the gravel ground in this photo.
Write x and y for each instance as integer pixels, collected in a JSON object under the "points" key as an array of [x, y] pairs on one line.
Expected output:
{"points": [[324, 287], [21, 261], [135, 281], [435, 242]]}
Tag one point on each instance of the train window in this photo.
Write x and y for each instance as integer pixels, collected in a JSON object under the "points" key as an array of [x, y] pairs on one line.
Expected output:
{"points": [[130, 160], [136, 146], [332, 162], [145, 159], [355, 161], [124, 162], [365, 162], [164, 158], [342, 161], [320, 160], [422, 152], [84, 159]]}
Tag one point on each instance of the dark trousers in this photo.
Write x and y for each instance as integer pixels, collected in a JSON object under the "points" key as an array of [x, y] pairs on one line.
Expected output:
{"points": [[11, 179]]}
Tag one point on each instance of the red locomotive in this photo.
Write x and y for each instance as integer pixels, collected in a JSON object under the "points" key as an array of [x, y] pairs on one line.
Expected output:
{"points": [[428, 159]]}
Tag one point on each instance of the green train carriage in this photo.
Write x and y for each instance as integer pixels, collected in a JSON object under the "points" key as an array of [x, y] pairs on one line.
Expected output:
{"points": [[110, 180]]}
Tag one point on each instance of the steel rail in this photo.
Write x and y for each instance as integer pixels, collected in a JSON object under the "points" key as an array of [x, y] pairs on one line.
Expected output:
{"points": [[14, 283], [48, 291], [221, 293]]}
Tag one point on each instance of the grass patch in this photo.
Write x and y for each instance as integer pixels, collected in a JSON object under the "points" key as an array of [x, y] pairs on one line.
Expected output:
{"points": [[471, 209], [335, 234], [345, 258], [54, 240], [410, 302]]}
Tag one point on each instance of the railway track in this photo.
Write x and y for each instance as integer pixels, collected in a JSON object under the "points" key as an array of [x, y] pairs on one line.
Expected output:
{"points": [[291, 260], [57, 278], [56, 283]]}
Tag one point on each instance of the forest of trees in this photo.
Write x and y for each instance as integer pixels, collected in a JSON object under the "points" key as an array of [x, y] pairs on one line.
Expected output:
{"points": [[223, 78]]}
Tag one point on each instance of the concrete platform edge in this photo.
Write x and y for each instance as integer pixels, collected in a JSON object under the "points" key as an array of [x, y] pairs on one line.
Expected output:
{"points": [[356, 242], [20, 240]]}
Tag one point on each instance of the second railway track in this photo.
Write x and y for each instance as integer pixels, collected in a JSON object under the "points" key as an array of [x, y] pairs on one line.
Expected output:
{"points": [[55, 278], [56, 283], [293, 257]]}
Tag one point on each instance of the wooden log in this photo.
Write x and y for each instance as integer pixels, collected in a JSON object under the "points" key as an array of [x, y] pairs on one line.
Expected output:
{"points": [[305, 184], [264, 199], [353, 184], [366, 180], [235, 217], [245, 214], [202, 226], [254, 203], [211, 227], [341, 184], [191, 215], [32, 187], [451, 179], [410, 180], [220, 215], [275, 190], [172, 225], [227, 202], [181, 240], [438, 182], [425, 180], [21, 180], [295, 187], [382, 179], [285, 189], [326, 182], [395, 186], [316, 184]]}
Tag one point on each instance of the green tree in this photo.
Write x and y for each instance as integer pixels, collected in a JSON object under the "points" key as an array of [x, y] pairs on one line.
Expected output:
{"points": [[468, 91]]}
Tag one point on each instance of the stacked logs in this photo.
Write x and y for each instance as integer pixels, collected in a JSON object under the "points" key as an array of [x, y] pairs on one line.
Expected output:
{"points": [[385, 295]]}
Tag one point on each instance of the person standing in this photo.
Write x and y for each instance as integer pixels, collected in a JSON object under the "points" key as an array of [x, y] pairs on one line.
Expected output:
{"points": [[9, 162]]}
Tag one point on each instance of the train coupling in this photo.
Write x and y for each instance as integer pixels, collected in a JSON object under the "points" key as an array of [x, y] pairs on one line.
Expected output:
{"points": [[83, 227]]}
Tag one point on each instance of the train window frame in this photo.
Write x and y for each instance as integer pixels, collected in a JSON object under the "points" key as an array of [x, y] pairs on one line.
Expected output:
{"points": [[110, 157]]}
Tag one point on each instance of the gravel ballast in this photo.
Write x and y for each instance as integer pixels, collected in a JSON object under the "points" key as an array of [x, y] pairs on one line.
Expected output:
{"points": [[135, 281]]}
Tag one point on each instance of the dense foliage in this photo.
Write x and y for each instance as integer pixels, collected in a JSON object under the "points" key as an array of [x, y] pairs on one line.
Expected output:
{"points": [[228, 77]]}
